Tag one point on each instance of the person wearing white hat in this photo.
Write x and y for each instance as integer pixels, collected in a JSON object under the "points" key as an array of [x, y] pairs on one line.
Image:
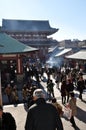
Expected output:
{"points": [[42, 115], [38, 93]]}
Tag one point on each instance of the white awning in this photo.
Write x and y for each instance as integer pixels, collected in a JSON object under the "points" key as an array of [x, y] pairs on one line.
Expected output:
{"points": [[64, 51], [79, 55]]}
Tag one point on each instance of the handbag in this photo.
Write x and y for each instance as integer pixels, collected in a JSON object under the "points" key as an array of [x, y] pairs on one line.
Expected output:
{"points": [[67, 113]]}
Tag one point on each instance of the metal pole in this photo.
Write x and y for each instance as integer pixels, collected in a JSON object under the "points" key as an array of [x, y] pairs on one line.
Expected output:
{"points": [[0, 90]]}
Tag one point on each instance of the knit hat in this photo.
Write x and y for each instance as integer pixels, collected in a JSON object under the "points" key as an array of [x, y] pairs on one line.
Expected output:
{"points": [[39, 93]]}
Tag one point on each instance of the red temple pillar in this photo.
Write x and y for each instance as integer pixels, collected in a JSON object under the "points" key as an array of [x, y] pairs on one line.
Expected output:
{"points": [[19, 64]]}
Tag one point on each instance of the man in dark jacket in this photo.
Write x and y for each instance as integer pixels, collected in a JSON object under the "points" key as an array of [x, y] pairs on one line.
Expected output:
{"points": [[42, 115], [7, 121]]}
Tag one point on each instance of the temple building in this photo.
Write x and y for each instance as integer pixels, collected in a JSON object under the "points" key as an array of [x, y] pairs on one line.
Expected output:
{"points": [[11, 51], [34, 33]]}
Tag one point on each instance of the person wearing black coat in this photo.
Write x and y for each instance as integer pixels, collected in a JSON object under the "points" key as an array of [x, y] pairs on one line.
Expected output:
{"points": [[69, 88], [42, 115], [80, 86], [7, 121]]}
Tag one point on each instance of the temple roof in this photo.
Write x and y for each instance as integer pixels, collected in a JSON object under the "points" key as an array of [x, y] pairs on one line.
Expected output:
{"points": [[9, 45], [64, 51], [27, 26], [41, 43], [80, 55]]}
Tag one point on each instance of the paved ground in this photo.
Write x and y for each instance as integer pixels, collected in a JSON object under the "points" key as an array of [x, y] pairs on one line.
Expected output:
{"points": [[19, 112]]}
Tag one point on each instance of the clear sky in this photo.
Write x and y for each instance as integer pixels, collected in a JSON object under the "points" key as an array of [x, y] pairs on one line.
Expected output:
{"points": [[67, 15]]}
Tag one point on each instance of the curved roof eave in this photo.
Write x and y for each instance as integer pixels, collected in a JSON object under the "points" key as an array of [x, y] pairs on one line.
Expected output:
{"points": [[47, 32], [9, 45], [80, 55]]}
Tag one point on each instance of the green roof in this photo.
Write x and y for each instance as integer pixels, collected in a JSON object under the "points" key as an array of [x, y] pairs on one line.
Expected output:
{"points": [[9, 45]]}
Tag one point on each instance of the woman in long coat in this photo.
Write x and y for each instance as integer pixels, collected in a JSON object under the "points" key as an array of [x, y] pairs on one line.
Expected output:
{"points": [[73, 107]]}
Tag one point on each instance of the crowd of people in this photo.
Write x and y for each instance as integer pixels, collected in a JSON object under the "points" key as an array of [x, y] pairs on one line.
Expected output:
{"points": [[41, 114], [70, 79], [66, 80]]}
